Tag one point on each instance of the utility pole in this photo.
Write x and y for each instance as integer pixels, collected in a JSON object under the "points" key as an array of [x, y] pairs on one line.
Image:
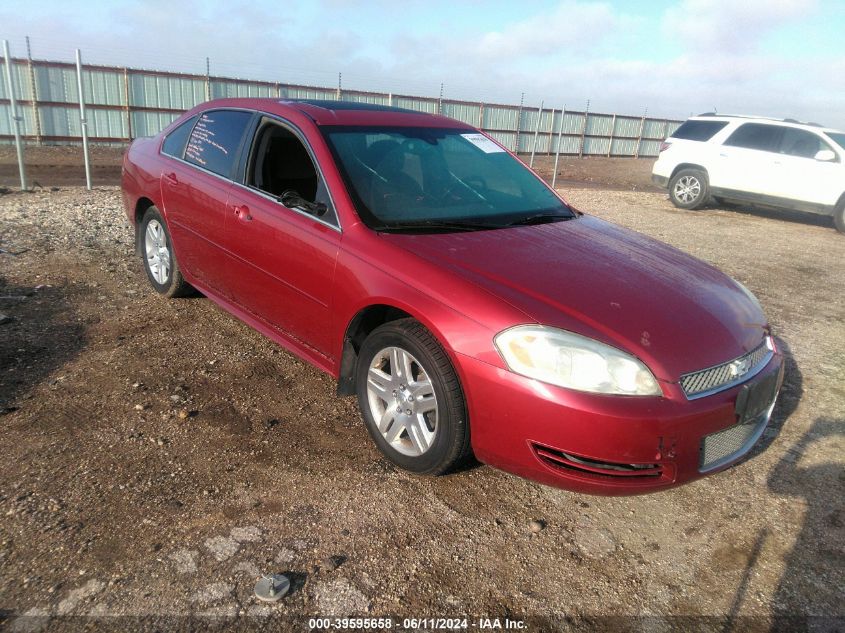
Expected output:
{"points": [[83, 122]]}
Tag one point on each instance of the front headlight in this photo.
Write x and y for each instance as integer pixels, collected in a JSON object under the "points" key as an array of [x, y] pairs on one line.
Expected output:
{"points": [[573, 361]]}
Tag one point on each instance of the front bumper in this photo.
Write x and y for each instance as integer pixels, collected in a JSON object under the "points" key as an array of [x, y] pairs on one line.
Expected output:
{"points": [[598, 444]]}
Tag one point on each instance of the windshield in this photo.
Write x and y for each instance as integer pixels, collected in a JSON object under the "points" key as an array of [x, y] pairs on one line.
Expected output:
{"points": [[837, 137], [404, 178]]}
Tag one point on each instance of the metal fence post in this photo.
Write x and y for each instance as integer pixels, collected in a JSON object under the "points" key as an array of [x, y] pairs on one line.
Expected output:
{"points": [[13, 114], [536, 133], [440, 101], [128, 107], [640, 136], [36, 115], [480, 115], [559, 143], [612, 131], [82, 120], [207, 79], [339, 86], [584, 131], [518, 123]]}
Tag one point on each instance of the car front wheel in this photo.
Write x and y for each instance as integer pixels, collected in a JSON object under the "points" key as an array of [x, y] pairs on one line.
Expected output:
{"points": [[159, 261], [688, 189], [411, 399]]}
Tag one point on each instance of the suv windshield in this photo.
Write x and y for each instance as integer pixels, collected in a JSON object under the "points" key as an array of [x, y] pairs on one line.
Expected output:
{"points": [[837, 137], [411, 179]]}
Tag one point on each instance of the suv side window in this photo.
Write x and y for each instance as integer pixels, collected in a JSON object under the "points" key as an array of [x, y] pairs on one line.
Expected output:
{"points": [[215, 140], [756, 136], [174, 144], [698, 130], [801, 143]]}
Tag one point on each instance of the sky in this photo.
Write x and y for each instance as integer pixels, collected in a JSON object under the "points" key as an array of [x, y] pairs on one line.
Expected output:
{"points": [[666, 58]]}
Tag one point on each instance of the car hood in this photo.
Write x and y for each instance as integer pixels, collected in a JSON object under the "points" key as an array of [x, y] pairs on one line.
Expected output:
{"points": [[675, 312]]}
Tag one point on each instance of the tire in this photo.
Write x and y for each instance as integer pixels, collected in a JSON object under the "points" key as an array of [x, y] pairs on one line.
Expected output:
{"points": [[434, 437], [689, 189], [159, 260], [839, 216]]}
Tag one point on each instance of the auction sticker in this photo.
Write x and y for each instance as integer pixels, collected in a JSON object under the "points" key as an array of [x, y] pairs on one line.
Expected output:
{"points": [[483, 143]]}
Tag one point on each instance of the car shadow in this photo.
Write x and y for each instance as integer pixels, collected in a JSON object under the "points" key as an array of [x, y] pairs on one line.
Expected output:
{"points": [[798, 217], [40, 335], [809, 595]]}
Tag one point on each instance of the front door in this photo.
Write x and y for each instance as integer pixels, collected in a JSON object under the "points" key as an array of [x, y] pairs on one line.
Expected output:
{"points": [[284, 257]]}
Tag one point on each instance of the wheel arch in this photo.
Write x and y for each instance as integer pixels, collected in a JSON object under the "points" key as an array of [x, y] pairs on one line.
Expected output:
{"points": [[357, 330], [689, 166], [141, 207]]}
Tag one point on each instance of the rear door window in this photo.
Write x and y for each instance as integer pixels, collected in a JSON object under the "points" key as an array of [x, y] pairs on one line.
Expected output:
{"points": [[216, 139], [174, 144], [756, 136], [698, 130]]}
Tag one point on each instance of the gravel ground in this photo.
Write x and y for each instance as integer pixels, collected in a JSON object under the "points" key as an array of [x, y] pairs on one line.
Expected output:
{"points": [[160, 455]]}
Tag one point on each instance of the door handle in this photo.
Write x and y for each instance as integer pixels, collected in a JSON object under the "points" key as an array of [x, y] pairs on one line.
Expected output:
{"points": [[171, 179], [242, 212]]}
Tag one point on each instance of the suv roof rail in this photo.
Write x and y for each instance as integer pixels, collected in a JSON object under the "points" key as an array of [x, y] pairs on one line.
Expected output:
{"points": [[761, 118]]}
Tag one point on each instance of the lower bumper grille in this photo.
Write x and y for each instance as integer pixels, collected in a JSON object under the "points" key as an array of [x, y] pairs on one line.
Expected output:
{"points": [[584, 466], [718, 449]]}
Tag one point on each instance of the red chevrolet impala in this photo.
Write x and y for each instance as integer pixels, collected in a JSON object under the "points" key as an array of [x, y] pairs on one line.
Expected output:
{"points": [[469, 308]]}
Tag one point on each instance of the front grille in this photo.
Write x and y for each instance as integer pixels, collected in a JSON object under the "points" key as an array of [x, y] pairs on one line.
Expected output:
{"points": [[706, 381], [726, 445]]}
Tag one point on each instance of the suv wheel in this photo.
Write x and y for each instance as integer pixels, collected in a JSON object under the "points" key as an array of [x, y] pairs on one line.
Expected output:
{"points": [[839, 216], [688, 189]]}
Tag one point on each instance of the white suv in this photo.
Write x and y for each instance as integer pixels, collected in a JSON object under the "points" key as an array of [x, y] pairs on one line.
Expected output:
{"points": [[770, 162]]}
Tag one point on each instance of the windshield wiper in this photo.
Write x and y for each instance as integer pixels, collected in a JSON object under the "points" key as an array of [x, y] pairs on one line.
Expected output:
{"points": [[540, 218], [449, 225]]}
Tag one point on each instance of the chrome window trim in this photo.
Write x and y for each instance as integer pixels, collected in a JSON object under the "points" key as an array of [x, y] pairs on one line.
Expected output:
{"points": [[738, 381], [337, 227]]}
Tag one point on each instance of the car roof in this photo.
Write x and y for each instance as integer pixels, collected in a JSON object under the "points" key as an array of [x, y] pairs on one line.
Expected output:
{"points": [[327, 112]]}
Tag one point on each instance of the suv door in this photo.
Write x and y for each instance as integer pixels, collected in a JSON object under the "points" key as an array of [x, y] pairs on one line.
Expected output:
{"points": [[284, 258], [195, 184], [803, 178], [746, 159]]}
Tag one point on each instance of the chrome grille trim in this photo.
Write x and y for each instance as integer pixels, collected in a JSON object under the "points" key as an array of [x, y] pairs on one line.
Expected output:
{"points": [[706, 382]]}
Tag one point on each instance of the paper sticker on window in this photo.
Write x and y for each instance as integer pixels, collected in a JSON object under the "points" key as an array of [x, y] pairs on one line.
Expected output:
{"points": [[483, 143]]}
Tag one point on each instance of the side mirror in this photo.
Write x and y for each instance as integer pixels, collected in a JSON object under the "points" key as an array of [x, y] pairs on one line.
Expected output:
{"points": [[826, 155]]}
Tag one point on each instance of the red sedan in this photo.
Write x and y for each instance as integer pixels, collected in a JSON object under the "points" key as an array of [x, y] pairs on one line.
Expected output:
{"points": [[469, 308]]}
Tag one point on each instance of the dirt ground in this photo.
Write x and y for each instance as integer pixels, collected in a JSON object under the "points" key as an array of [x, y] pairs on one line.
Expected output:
{"points": [[158, 456], [62, 166]]}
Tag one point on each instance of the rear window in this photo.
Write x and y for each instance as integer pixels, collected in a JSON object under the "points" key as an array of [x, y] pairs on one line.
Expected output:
{"points": [[215, 140], [756, 136], [698, 130]]}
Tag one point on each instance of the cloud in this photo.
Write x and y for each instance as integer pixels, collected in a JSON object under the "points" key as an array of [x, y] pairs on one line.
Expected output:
{"points": [[729, 26]]}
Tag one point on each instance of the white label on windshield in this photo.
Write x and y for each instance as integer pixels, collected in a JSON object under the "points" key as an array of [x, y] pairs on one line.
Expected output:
{"points": [[483, 143]]}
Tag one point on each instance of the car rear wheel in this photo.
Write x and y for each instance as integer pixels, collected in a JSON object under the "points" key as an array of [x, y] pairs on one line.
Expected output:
{"points": [[839, 216], [159, 261], [411, 399], [688, 189]]}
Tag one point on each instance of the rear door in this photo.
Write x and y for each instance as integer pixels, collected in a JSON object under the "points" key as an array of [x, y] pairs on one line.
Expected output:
{"points": [[284, 257], [195, 186], [746, 160]]}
